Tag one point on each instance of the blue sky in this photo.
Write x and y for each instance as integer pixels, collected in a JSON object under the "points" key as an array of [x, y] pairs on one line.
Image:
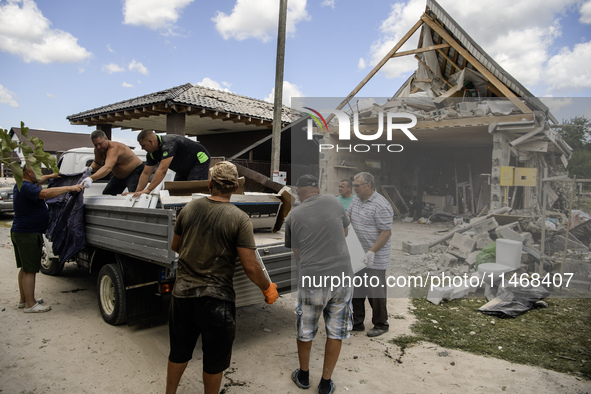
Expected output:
{"points": [[60, 57]]}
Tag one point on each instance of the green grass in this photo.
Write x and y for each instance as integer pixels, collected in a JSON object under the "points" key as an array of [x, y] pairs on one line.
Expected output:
{"points": [[556, 338]]}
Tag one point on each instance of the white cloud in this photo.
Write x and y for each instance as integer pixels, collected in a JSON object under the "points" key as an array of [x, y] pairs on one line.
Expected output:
{"points": [[361, 65], [112, 68], [328, 3], [7, 97], [516, 34], [556, 104], [210, 83], [570, 68], [154, 14], [585, 11], [137, 66], [289, 90], [51, 96], [110, 49], [127, 85], [25, 32], [258, 19]]}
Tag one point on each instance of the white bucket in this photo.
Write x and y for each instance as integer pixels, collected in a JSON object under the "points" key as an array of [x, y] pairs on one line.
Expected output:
{"points": [[508, 252]]}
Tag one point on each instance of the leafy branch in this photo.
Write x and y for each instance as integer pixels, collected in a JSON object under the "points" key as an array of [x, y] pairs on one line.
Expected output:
{"points": [[32, 150]]}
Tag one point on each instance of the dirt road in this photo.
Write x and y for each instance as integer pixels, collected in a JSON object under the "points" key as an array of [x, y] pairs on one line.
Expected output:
{"points": [[72, 350]]}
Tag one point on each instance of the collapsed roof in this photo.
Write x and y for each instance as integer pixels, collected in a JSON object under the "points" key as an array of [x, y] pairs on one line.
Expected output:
{"points": [[457, 84]]}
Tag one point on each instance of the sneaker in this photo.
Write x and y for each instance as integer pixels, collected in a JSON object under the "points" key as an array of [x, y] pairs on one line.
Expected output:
{"points": [[39, 301], [376, 332], [332, 389], [295, 376], [358, 327], [37, 308]]}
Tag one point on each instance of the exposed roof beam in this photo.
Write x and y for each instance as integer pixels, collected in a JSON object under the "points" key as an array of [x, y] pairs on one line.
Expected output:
{"points": [[421, 50], [429, 68], [447, 58], [377, 67], [476, 64]]}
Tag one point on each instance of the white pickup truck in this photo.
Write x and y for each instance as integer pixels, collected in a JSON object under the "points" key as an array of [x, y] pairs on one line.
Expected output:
{"points": [[128, 244]]}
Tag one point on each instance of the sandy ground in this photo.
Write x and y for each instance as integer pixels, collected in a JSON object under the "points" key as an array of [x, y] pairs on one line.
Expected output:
{"points": [[72, 350]]}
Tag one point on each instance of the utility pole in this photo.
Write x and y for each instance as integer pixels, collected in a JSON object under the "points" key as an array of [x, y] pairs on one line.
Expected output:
{"points": [[278, 104]]}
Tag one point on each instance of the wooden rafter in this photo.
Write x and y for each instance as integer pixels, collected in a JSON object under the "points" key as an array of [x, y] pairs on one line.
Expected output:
{"points": [[447, 58], [421, 50], [377, 67]]}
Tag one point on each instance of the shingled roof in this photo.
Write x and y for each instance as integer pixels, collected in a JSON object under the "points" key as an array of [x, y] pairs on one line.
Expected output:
{"points": [[194, 100]]}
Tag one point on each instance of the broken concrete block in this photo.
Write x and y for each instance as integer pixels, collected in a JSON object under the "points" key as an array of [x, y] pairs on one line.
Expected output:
{"points": [[461, 246], [446, 259], [482, 240], [459, 292], [507, 233], [439, 293], [485, 225], [414, 248], [471, 260], [529, 239]]}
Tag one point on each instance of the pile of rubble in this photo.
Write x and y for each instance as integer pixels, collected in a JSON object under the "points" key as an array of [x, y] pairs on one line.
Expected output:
{"points": [[460, 252]]}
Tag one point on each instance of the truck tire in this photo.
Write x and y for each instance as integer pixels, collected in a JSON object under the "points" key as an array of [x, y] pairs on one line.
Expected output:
{"points": [[111, 295], [50, 266]]}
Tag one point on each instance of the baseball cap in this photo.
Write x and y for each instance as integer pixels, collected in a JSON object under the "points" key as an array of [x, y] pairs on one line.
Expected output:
{"points": [[224, 172], [307, 180]]}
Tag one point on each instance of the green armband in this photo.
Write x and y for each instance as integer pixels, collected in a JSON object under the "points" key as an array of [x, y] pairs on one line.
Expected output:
{"points": [[202, 157]]}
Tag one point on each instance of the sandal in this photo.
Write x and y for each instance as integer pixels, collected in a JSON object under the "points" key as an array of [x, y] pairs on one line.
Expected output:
{"points": [[39, 301], [37, 308], [295, 376]]}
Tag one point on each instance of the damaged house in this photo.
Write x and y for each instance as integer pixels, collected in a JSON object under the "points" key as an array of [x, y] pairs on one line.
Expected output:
{"points": [[461, 134]]}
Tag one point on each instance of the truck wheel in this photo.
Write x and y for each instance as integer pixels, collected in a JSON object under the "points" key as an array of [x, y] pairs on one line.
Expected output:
{"points": [[111, 295], [50, 266]]}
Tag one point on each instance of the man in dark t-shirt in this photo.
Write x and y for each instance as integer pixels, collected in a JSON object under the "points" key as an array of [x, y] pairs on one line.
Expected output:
{"points": [[209, 234], [189, 159]]}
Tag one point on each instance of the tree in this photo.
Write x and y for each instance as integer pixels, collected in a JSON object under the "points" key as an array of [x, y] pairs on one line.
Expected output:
{"points": [[32, 149], [577, 133]]}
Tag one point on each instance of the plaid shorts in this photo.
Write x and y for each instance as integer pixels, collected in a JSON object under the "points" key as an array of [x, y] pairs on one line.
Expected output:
{"points": [[334, 305]]}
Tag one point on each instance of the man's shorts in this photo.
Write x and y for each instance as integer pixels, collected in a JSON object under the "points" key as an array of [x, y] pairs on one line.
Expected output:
{"points": [[28, 250], [334, 305], [212, 319]]}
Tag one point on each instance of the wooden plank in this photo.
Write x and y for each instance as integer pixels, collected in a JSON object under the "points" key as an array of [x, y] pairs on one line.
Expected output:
{"points": [[476, 64], [526, 136], [390, 201], [377, 67], [421, 50], [447, 58], [482, 120]]}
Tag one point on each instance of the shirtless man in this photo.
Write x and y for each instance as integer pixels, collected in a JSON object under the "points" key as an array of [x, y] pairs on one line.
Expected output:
{"points": [[115, 157]]}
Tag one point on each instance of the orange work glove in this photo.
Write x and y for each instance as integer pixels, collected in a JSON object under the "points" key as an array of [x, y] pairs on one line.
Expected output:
{"points": [[271, 293]]}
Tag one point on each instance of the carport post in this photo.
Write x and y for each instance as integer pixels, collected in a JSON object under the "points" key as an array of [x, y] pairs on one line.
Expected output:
{"points": [[278, 102]]}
